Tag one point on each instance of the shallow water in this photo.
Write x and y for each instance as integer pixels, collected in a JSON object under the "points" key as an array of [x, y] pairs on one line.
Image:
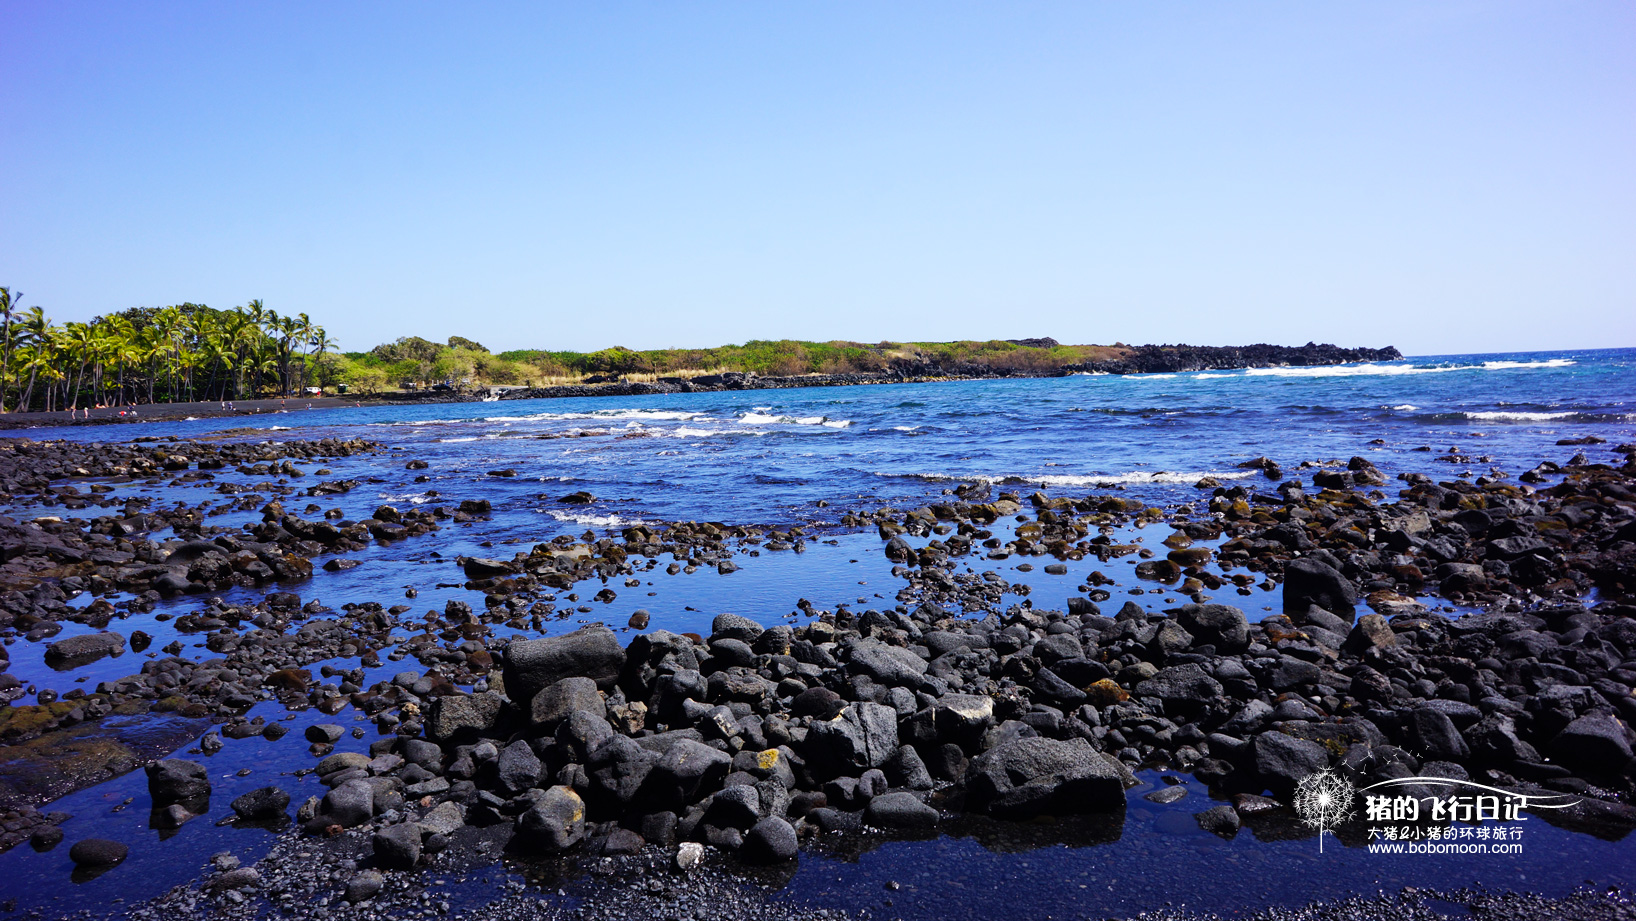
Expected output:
{"points": [[769, 457]]}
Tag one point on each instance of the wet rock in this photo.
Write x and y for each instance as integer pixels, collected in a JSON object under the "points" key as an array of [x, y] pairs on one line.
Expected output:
{"points": [[349, 805], [97, 853], [1596, 742], [462, 717], [554, 823], [397, 847], [45, 837], [1028, 777], [367, 884], [862, 737], [892, 666], [900, 810], [1310, 582], [771, 840], [1219, 625], [324, 733], [1219, 820], [82, 649], [1433, 737], [176, 781], [262, 805], [1282, 761]]}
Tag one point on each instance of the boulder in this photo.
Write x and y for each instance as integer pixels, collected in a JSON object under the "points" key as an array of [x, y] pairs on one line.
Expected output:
{"points": [[87, 647], [1219, 820], [892, 666], [1370, 632], [397, 847], [461, 717], [97, 852], [1283, 761], [365, 885], [518, 767], [1181, 685], [555, 703], [592, 652], [261, 805], [1219, 625], [900, 810], [734, 627], [862, 737], [688, 770], [176, 781], [1028, 777], [554, 823], [1596, 742], [349, 805], [769, 841], [1433, 737], [1310, 582]]}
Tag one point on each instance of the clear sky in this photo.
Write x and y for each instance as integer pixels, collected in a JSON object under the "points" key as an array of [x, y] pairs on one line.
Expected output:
{"points": [[1450, 177]]}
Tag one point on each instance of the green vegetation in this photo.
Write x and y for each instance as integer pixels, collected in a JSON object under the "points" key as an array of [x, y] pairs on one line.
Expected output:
{"points": [[151, 355], [192, 352]]}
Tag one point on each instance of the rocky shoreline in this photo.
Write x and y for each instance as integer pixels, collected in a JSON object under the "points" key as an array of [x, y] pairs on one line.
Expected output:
{"points": [[755, 739]]}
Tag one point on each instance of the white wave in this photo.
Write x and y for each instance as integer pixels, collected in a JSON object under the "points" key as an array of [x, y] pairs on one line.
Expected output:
{"points": [[450, 441], [276, 428], [1367, 369], [412, 498], [904, 428], [650, 415], [1518, 417], [599, 521], [1205, 374], [754, 418], [1509, 365], [1406, 407], [1134, 478], [190, 418], [1149, 377]]}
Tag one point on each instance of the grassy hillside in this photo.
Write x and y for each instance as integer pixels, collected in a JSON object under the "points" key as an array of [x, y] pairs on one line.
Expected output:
{"points": [[424, 362]]}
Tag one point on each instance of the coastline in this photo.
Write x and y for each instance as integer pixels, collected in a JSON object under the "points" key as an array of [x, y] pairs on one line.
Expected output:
{"points": [[1147, 359]]}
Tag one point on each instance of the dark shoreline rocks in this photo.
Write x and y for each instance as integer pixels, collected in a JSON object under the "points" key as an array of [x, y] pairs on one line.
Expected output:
{"points": [[908, 717]]}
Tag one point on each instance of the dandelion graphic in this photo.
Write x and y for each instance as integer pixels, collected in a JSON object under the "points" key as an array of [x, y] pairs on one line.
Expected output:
{"points": [[1324, 800]]}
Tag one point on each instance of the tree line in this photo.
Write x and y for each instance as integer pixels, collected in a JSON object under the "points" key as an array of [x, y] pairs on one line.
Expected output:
{"points": [[181, 353]]}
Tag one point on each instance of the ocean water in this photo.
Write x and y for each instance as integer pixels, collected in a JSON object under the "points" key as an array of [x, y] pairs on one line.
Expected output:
{"points": [[771, 457]]}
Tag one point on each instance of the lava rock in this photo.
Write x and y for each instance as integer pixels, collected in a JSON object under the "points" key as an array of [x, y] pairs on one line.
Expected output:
{"points": [[1310, 582], [592, 652], [97, 852], [176, 781], [261, 805]]}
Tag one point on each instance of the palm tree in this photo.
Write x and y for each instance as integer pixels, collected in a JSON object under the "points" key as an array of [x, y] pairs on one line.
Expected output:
{"points": [[36, 337], [9, 302]]}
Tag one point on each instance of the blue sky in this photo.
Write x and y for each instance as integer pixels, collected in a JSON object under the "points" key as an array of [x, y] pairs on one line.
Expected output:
{"points": [[1453, 177]]}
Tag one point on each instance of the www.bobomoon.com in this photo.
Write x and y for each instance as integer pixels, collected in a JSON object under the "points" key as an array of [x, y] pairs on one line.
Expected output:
{"points": [[1439, 847]]}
